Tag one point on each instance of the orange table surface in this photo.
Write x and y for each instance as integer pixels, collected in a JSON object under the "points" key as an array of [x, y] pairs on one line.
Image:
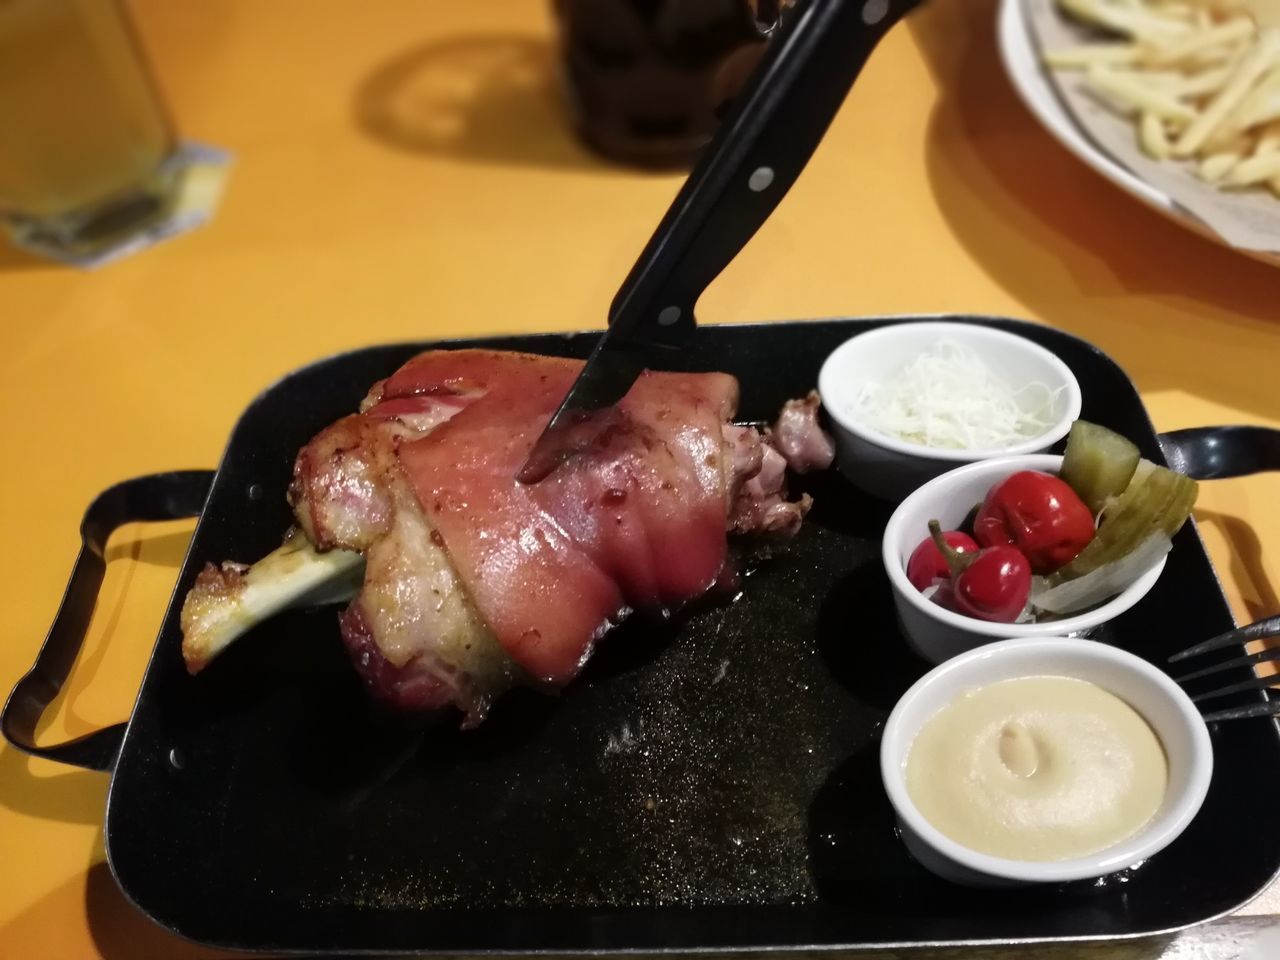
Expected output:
{"points": [[404, 172]]}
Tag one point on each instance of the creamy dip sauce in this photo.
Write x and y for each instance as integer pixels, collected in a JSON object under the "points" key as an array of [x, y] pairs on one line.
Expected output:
{"points": [[1037, 768]]}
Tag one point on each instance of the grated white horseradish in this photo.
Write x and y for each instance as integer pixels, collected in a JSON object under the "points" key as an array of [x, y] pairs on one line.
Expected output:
{"points": [[949, 397]]}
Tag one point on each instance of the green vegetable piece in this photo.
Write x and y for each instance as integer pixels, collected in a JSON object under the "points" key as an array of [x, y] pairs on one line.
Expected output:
{"points": [[1124, 520], [1156, 500], [1184, 500], [1098, 463]]}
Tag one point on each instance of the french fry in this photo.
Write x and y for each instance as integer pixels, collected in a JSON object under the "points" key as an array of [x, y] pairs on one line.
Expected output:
{"points": [[1197, 41], [1178, 11], [1199, 78], [1240, 144], [1152, 136], [1261, 105], [1166, 81], [1090, 53], [1268, 141], [1211, 57], [1203, 83], [1250, 70], [1129, 91], [1229, 140], [1136, 22], [1254, 171], [1217, 165]]}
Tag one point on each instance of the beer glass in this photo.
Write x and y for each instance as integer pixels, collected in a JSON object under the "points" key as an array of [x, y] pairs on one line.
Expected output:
{"points": [[84, 137], [646, 80]]}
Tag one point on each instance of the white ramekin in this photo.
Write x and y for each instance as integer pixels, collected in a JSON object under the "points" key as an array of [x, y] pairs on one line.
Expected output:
{"points": [[937, 633], [1147, 689], [890, 468]]}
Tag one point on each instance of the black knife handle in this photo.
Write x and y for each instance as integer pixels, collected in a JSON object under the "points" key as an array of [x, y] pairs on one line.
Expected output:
{"points": [[769, 134], [1215, 453], [160, 496]]}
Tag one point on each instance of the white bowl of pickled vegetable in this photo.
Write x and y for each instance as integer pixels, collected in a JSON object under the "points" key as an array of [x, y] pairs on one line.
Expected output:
{"points": [[1043, 760], [910, 401], [1025, 573]]}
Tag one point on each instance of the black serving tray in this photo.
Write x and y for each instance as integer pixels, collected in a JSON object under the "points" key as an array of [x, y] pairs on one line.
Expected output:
{"points": [[710, 782]]}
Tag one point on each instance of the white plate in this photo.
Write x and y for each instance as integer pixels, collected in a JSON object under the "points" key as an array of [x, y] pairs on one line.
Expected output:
{"points": [[1022, 64]]}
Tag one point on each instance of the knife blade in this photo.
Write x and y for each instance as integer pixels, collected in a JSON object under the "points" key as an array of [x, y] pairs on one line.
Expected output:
{"points": [[763, 143], [605, 379]]}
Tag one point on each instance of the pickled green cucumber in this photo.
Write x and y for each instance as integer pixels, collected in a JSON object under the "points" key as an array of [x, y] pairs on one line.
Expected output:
{"points": [[1098, 463], [1183, 501], [1155, 500]]}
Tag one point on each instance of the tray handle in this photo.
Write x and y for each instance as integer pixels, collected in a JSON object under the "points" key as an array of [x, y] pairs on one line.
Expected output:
{"points": [[159, 496], [1215, 453]]}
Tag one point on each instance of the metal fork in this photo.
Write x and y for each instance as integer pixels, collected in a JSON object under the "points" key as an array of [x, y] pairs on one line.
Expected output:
{"points": [[1211, 453], [1261, 630]]}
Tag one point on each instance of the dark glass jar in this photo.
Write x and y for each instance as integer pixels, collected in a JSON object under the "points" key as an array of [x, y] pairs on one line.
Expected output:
{"points": [[646, 80]]}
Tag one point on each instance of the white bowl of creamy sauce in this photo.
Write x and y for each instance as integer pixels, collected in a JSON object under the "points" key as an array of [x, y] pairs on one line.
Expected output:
{"points": [[1043, 760]]}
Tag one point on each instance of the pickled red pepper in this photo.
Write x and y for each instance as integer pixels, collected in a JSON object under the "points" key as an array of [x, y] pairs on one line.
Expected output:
{"points": [[1040, 515], [992, 584]]}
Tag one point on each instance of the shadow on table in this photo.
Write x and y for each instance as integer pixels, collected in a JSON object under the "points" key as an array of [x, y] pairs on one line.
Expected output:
{"points": [[1248, 564], [68, 794], [16, 259], [1064, 241], [149, 548], [121, 932], [77, 796], [54, 925], [488, 98], [118, 930]]}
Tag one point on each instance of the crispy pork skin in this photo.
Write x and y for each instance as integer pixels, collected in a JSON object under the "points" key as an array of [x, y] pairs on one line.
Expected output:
{"points": [[474, 582], [635, 519]]}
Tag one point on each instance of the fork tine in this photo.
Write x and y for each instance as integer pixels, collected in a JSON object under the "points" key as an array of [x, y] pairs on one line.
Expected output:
{"points": [[1258, 630], [1257, 683], [1269, 708], [1247, 660]]}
